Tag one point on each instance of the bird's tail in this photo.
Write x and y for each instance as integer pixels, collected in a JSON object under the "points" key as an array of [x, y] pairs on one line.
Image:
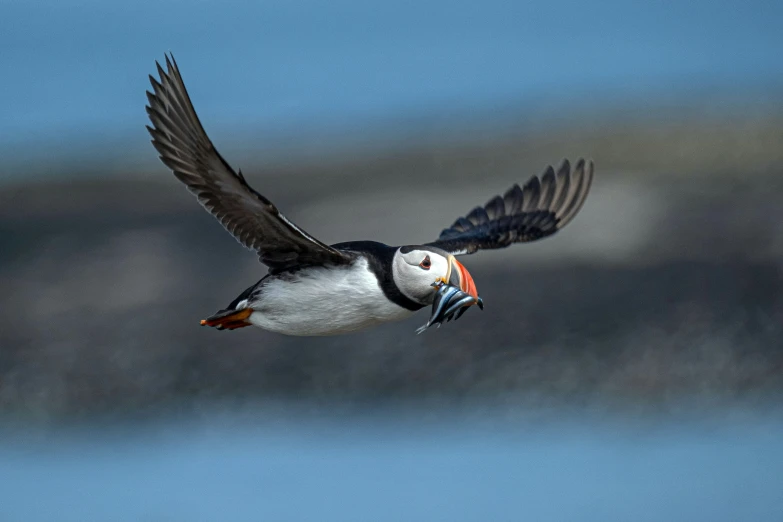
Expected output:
{"points": [[230, 319]]}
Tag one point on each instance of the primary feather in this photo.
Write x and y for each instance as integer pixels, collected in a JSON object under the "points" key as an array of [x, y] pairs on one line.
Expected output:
{"points": [[252, 219], [539, 209]]}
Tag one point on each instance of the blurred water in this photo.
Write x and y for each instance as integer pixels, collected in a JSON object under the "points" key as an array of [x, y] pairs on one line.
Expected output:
{"points": [[360, 469], [666, 289], [78, 69]]}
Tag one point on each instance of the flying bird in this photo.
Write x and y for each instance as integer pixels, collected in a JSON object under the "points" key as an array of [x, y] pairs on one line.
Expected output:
{"points": [[312, 288]]}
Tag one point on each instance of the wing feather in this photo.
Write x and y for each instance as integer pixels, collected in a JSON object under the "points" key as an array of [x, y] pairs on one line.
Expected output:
{"points": [[542, 207], [252, 219]]}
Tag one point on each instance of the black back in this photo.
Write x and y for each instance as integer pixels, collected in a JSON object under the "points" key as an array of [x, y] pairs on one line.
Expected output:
{"points": [[379, 258]]}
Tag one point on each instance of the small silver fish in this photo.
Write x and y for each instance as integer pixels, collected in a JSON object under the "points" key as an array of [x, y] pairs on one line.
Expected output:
{"points": [[449, 300]]}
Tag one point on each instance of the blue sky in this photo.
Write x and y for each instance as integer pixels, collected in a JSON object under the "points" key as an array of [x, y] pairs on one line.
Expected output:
{"points": [[78, 69]]}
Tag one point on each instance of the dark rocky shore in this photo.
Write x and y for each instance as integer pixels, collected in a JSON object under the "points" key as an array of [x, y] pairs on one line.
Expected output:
{"points": [[667, 288]]}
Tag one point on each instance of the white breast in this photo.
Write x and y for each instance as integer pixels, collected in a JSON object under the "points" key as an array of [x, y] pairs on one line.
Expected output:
{"points": [[324, 301]]}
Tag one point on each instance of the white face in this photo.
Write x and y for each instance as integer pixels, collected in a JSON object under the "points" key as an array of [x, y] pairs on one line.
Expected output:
{"points": [[415, 271]]}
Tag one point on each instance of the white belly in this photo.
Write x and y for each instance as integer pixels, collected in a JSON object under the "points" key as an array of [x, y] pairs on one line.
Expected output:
{"points": [[324, 301]]}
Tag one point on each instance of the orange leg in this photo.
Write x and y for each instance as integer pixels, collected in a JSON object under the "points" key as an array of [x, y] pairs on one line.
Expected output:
{"points": [[229, 319]]}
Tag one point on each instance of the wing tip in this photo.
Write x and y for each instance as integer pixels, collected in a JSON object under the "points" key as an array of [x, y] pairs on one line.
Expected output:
{"points": [[559, 194], [583, 170]]}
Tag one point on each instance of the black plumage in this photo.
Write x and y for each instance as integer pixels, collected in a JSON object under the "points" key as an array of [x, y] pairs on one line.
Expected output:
{"points": [[379, 258], [251, 218], [539, 209]]}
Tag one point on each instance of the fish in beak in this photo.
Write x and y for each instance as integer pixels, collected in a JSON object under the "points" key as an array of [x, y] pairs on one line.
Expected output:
{"points": [[453, 296]]}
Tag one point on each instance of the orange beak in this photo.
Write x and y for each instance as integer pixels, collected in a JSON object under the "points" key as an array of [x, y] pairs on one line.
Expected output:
{"points": [[459, 276]]}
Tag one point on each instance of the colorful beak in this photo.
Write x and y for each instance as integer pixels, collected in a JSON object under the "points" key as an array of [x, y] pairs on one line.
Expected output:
{"points": [[460, 277]]}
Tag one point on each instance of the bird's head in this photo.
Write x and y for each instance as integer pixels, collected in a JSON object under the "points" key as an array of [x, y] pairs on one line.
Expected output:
{"points": [[416, 268]]}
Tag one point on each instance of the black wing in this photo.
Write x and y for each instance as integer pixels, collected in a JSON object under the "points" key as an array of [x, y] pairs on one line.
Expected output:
{"points": [[539, 209], [252, 219]]}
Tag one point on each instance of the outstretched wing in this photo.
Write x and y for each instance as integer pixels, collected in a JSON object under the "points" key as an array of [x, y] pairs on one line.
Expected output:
{"points": [[539, 209], [251, 218]]}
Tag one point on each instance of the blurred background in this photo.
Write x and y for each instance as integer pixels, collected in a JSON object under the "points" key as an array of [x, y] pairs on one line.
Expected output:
{"points": [[628, 368]]}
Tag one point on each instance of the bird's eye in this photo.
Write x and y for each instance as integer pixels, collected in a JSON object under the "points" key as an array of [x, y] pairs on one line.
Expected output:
{"points": [[426, 264]]}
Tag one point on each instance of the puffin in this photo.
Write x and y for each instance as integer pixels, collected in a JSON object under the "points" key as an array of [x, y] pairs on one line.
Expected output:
{"points": [[315, 289]]}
